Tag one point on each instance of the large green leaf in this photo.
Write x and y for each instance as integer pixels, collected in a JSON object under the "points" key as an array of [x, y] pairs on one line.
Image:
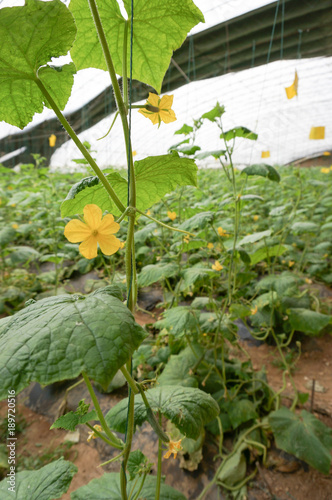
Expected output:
{"points": [[197, 221], [263, 170], [252, 238], [59, 337], [305, 227], [195, 273], [240, 411], [177, 320], [307, 321], [156, 272], [304, 436], [159, 28], [267, 252], [91, 190], [177, 370], [155, 176], [7, 234], [243, 132], [49, 482], [159, 175], [189, 409], [108, 487], [31, 35], [280, 283]]}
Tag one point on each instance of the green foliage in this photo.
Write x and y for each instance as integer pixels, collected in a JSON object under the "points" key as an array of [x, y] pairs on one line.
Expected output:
{"points": [[59, 337], [304, 436], [138, 464], [263, 170], [156, 272], [25, 52], [306, 321], [243, 132], [109, 484], [70, 420], [152, 46], [189, 409], [155, 176], [51, 481]]}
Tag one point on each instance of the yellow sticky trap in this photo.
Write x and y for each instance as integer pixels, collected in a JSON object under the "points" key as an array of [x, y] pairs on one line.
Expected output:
{"points": [[317, 133], [265, 154], [292, 90], [52, 140]]}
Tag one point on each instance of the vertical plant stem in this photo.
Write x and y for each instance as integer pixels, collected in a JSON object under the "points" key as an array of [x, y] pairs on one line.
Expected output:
{"points": [[157, 497]]}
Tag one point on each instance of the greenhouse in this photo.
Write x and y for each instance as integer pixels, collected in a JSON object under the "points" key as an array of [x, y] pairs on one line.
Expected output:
{"points": [[165, 239]]}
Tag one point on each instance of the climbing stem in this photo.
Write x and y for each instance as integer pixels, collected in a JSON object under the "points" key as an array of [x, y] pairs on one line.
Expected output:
{"points": [[130, 380], [81, 147], [115, 441], [129, 439], [157, 497], [117, 93]]}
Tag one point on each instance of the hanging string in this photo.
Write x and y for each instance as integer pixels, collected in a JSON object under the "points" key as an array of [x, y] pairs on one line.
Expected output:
{"points": [[253, 53], [264, 82], [191, 59], [299, 45], [282, 30], [272, 34]]}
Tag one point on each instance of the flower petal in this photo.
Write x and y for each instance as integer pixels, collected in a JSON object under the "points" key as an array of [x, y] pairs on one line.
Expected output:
{"points": [[92, 216], [167, 116], [166, 102], [89, 247], [109, 244], [76, 231], [154, 117], [108, 226], [153, 99]]}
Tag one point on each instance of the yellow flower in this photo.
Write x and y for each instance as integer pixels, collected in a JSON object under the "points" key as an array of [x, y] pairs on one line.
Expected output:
{"points": [[92, 435], [325, 170], [93, 231], [221, 231], [134, 153], [217, 266], [148, 212], [13, 205], [326, 153], [186, 238], [171, 215], [291, 263], [173, 447], [52, 140], [159, 109], [14, 226], [307, 280], [254, 310], [210, 246], [256, 217]]}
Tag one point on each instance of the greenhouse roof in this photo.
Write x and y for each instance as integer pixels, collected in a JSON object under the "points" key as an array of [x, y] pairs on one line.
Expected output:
{"points": [[242, 58]]}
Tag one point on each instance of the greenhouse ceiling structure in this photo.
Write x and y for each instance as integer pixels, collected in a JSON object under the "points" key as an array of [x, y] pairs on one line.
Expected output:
{"points": [[244, 59]]}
